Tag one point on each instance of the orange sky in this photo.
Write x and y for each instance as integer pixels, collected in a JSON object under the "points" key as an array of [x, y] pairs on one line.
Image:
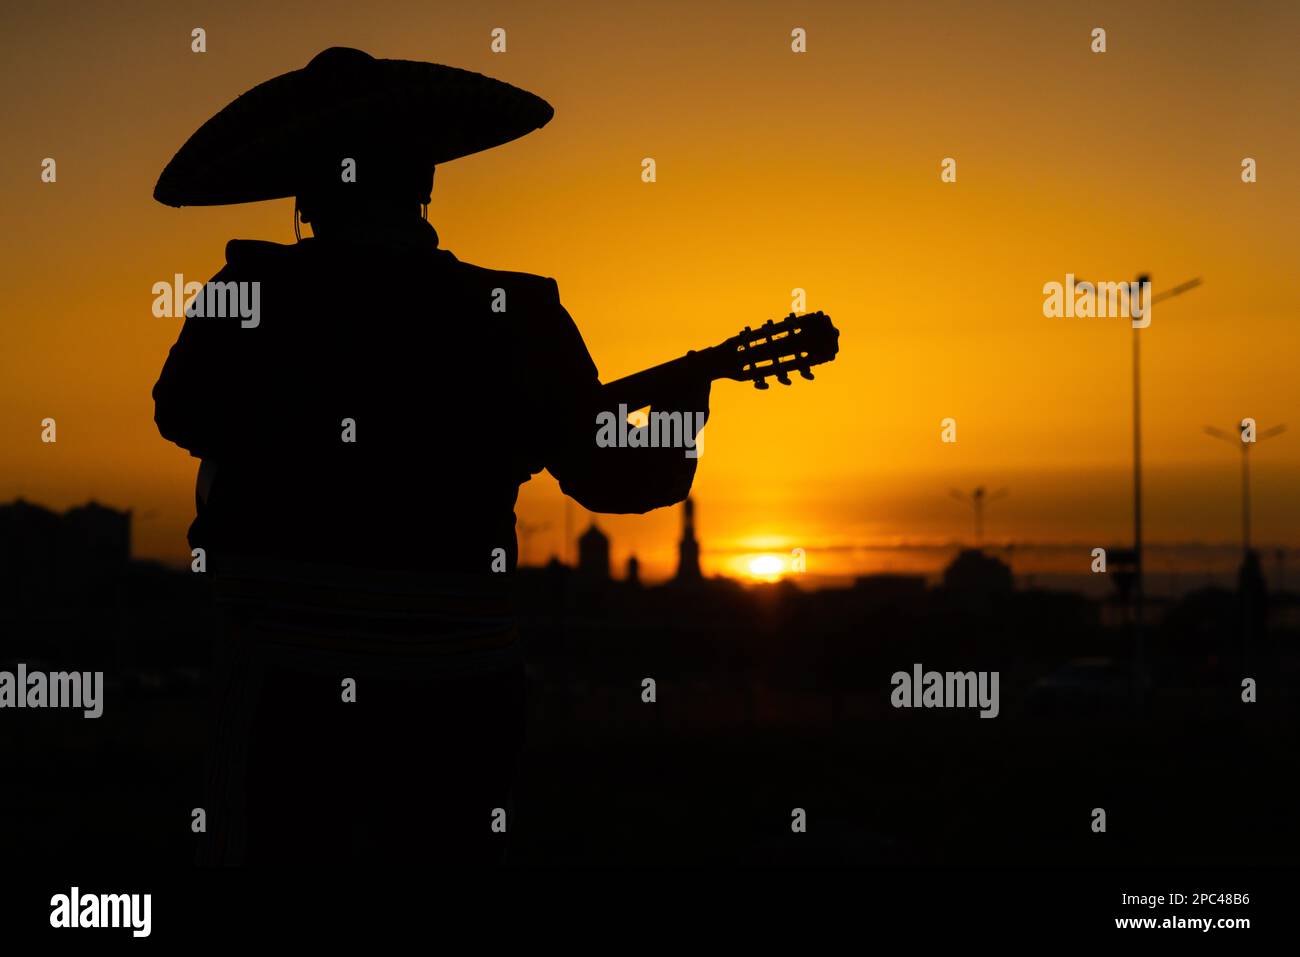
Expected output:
{"points": [[775, 171]]}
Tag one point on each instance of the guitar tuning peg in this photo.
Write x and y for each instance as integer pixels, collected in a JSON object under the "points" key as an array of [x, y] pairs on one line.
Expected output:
{"points": [[783, 377], [761, 384], [804, 373]]}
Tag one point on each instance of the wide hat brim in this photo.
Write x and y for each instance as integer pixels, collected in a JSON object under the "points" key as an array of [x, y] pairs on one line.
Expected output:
{"points": [[344, 103]]}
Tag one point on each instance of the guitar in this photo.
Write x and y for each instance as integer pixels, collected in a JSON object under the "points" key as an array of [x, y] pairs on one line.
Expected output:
{"points": [[792, 344]]}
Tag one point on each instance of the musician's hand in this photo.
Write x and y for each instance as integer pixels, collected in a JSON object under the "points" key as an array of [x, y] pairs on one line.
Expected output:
{"points": [[694, 397], [672, 393]]}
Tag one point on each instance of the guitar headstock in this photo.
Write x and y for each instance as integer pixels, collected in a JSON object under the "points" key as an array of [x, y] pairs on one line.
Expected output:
{"points": [[776, 348]]}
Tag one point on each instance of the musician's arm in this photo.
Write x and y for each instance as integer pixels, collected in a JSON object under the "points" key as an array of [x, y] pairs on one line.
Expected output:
{"points": [[227, 387], [605, 477], [194, 378]]}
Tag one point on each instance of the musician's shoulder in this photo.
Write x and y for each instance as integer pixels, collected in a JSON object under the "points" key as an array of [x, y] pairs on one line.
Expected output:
{"points": [[539, 288], [258, 252]]}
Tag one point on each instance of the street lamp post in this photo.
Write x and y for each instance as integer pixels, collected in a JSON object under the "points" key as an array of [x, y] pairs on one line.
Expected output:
{"points": [[1249, 579], [1245, 443], [978, 499], [1139, 588]]}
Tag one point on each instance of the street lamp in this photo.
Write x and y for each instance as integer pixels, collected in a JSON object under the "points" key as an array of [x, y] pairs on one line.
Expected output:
{"points": [[1139, 592], [978, 499], [1245, 443]]}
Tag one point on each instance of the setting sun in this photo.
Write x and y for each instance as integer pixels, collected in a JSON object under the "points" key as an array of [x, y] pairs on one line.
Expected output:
{"points": [[766, 568]]}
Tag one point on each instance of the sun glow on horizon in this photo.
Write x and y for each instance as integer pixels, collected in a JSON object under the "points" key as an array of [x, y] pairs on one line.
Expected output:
{"points": [[766, 568]]}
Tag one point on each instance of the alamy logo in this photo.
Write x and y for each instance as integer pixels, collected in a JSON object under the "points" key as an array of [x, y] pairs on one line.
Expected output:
{"points": [[662, 430], [103, 910], [1103, 300], [58, 689], [209, 300], [950, 689]]}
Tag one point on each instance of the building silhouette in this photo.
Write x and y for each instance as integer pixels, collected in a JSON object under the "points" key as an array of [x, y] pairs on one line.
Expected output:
{"points": [[593, 553], [688, 550], [98, 535], [48, 559], [974, 573]]}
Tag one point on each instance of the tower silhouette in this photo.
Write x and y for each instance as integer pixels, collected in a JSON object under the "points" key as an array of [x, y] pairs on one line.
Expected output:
{"points": [[593, 553], [688, 550]]}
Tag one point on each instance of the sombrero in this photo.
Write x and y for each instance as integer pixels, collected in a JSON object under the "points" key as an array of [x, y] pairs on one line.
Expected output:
{"points": [[342, 104]]}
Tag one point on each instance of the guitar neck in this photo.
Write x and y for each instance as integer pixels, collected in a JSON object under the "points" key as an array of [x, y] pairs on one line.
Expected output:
{"points": [[641, 388], [774, 350]]}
